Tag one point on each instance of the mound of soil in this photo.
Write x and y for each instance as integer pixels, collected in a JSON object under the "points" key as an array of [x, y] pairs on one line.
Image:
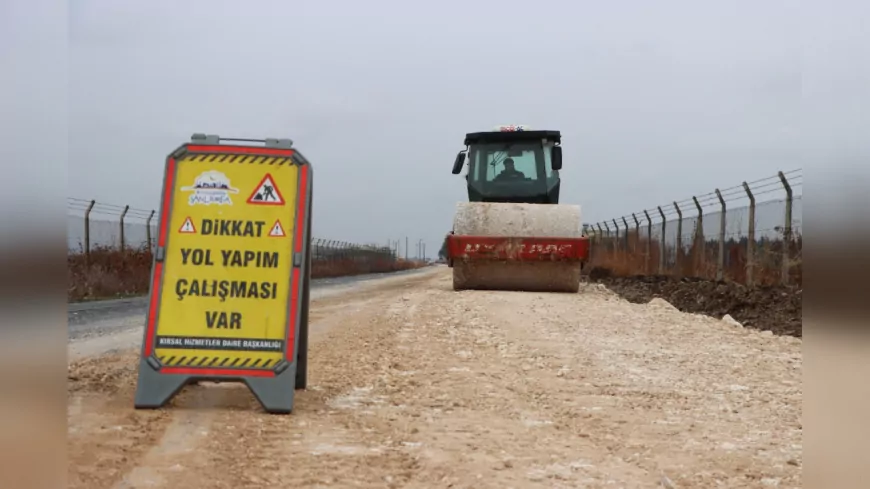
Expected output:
{"points": [[777, 309]]}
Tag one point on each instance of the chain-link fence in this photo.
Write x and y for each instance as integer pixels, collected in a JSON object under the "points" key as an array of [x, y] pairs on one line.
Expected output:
{"points": [[109, 249], [727, 234]]}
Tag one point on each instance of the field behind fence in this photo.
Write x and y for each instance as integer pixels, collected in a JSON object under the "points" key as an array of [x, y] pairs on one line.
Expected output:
{"points": [[109, 252], [748, 233]]}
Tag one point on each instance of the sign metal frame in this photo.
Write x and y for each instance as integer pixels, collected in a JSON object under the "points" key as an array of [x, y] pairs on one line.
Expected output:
{"points": [[274, 387]]}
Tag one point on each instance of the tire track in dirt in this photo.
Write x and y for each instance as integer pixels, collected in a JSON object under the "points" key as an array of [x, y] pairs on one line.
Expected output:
{"points": [[190, 425], [111, 444], [105, 437]]}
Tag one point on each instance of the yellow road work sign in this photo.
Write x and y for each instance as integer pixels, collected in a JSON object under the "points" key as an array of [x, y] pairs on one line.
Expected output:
{"points": [[229, 296], [227, 267]]}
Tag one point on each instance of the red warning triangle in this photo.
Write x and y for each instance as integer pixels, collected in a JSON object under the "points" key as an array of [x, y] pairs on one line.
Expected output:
{"points": [[266, 193], [187, 227], [277, 230]]}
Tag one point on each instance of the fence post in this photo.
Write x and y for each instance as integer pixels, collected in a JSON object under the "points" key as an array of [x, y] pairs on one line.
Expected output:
{"points": [[720, 265], [679, 255], [699, 247], [636, 231], [593, 241], [88, 232], [148, 229], [750, 243], [123, 214], [626, 233], [616, 238], [607, 230], [599, 237], [647, 257], [786, 235], [664, 242]]}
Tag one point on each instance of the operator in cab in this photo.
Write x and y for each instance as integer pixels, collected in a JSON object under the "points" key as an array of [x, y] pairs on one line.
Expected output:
{"points": [[509, 172]]}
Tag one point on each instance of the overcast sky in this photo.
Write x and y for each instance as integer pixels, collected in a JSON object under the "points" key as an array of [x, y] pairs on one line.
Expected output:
{"points": [[656, 101]]}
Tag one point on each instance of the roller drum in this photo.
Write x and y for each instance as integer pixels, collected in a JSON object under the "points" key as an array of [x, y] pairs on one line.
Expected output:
{"points": [[517, 220]]}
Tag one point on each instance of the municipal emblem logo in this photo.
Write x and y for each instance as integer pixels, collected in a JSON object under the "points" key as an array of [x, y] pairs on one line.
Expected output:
{"points": [[211, 187]]}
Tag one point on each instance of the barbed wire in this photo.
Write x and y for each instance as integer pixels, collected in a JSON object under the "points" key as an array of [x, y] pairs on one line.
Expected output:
{"points": [[101, 208], [688, 208]]}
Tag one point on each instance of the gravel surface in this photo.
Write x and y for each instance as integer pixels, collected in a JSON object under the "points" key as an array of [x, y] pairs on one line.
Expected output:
{"points": [[414, 385]]}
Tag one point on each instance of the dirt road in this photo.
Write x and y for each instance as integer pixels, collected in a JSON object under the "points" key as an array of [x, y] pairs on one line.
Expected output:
{"points": [[414, 385]]}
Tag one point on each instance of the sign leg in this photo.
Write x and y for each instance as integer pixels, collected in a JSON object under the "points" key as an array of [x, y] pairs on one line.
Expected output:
{"points": [[302, 350], [153, 390], [275, 394]]}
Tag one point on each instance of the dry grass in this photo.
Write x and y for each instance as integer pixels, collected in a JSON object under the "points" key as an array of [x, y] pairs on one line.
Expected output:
{"points": [[639, 256], [348, 266], [111, 273], [108, 273]]}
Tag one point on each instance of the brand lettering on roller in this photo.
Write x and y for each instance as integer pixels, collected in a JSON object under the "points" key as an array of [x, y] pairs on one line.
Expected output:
{"points": [[537, 248]]}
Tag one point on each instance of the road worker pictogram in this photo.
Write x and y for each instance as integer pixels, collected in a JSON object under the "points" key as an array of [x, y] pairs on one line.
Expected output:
{"points": [[266, 193]]}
